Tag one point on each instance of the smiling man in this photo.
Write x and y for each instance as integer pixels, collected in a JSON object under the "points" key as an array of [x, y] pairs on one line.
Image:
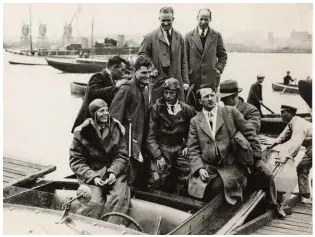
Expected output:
{"points": [[167, 138], [131, 102], [206, 54], [166, 48]]}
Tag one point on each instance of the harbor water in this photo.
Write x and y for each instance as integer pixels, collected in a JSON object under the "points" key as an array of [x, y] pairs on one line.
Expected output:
{"points": [[39, 110]]}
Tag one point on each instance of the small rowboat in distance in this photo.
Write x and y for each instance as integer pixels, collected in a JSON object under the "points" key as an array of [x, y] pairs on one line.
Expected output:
{"points": [[78, 88], [280, 87]]}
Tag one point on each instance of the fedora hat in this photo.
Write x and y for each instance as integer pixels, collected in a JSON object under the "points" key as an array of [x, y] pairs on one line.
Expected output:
{"points": [[229, 87]]}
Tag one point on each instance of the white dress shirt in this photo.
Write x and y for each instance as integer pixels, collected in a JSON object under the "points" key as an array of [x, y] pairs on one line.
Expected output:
{"points": [[165, 35], [177, 108], [211, 116], [200, 31]]}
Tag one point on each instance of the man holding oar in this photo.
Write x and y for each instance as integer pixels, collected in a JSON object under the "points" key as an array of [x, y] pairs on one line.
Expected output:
{"points": [[255, 93], [298, 132]]}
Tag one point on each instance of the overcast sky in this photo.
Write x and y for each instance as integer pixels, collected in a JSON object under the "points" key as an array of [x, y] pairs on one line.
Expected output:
{"points": [[140, 18]]}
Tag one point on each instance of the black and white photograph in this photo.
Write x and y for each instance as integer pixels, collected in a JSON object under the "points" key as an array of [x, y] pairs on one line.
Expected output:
{"points": [[157, 118]]}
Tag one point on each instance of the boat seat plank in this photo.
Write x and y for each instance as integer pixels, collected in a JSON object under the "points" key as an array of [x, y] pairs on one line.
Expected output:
{"points": [[288, 227], [12, 175], [14, 171], [266, 232], [23, 163], [301, 216], [18, 172], [293, 223], [18, 167], [301, 211], [285, 231]]}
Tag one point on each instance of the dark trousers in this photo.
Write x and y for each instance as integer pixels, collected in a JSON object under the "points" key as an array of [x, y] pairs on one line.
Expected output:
{"points": [[174, 177], [303, 171], [264, 180]]}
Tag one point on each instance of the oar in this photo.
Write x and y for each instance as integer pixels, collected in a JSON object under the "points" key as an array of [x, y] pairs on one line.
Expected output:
{"points": [[268, 108]]}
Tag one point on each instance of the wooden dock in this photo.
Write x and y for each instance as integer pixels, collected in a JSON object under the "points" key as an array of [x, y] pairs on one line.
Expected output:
{"points": [[17, 172], [298, 223]]}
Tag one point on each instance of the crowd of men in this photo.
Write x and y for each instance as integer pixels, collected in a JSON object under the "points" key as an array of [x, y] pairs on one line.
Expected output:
{"points": [[130, 134]]}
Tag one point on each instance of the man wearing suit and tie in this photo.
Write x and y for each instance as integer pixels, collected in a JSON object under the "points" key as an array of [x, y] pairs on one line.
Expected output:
{"points": [[206, 55], [166, 48]]}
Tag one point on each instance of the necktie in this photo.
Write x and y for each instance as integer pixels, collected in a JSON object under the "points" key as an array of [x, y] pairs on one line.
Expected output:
{"points": [[203, 33], [169, 37], [172, 108], [210, 121]]}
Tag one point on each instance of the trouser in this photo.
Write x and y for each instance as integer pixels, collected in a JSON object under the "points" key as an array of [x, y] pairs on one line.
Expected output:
{"points": [[138, 173], [214, 188], [114, 198], [174, 177], [303, 171], [265, 180]]}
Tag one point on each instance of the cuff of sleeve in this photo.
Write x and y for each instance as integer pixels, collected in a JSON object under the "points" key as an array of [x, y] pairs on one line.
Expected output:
{"points": [[257, 155]]}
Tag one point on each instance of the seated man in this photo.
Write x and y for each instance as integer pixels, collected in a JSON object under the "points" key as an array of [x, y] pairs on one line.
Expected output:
{"points": [[299, 132], [229, 91], [287, 79], [167, 137], [215, 165], [98, 156]]}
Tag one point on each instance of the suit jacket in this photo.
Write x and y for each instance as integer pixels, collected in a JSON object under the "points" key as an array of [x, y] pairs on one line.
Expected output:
{"points": [[202, 148], [155, 46], [203, 61], [100, 86], [250, 113], [131, 102]]}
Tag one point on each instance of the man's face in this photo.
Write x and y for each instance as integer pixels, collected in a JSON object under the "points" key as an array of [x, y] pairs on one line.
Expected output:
{"points": [[229, 100], [207, 98], [260, 80], [118, 71], [102, 115], [204, 19], [170, 96], [286, 116], [166, 20], [143, 75]]}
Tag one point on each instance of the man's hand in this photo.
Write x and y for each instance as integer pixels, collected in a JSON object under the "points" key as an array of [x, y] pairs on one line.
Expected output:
{"points": [[98, 181], [121, 82], [111, 179], [185, 151], [161, 164], [186, 86], [281, 160], [258, 165], [203, 174]]}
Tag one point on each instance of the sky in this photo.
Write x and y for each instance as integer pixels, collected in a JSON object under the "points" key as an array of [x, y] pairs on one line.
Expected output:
{"points": [[141, 18]]}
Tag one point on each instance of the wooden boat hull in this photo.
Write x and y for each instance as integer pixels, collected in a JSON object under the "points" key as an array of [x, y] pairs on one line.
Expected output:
{"points": [[78, 88], [273, 124], [17, 59], [280, 87], [73, 66]]}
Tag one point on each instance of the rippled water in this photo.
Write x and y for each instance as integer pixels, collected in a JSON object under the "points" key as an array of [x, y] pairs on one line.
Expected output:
{"points": [[39, 111]]}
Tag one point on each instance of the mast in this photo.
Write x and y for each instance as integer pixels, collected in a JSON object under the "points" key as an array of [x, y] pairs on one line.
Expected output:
{"points": [[92, 35], [31, 46]]}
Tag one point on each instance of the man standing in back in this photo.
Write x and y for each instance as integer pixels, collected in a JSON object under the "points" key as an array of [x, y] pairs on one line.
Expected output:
{"points": [[206, 55], [255, 93], [102, 85], [166, 48]]}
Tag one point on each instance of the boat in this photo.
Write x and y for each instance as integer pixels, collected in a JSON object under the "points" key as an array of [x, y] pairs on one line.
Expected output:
{"points": [[78, 88], [280, 87], [45, 201], [273, 124], [79, 65]]}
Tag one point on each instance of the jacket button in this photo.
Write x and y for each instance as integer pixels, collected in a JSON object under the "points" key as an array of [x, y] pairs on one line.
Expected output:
{"points": [[208, 142]]}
